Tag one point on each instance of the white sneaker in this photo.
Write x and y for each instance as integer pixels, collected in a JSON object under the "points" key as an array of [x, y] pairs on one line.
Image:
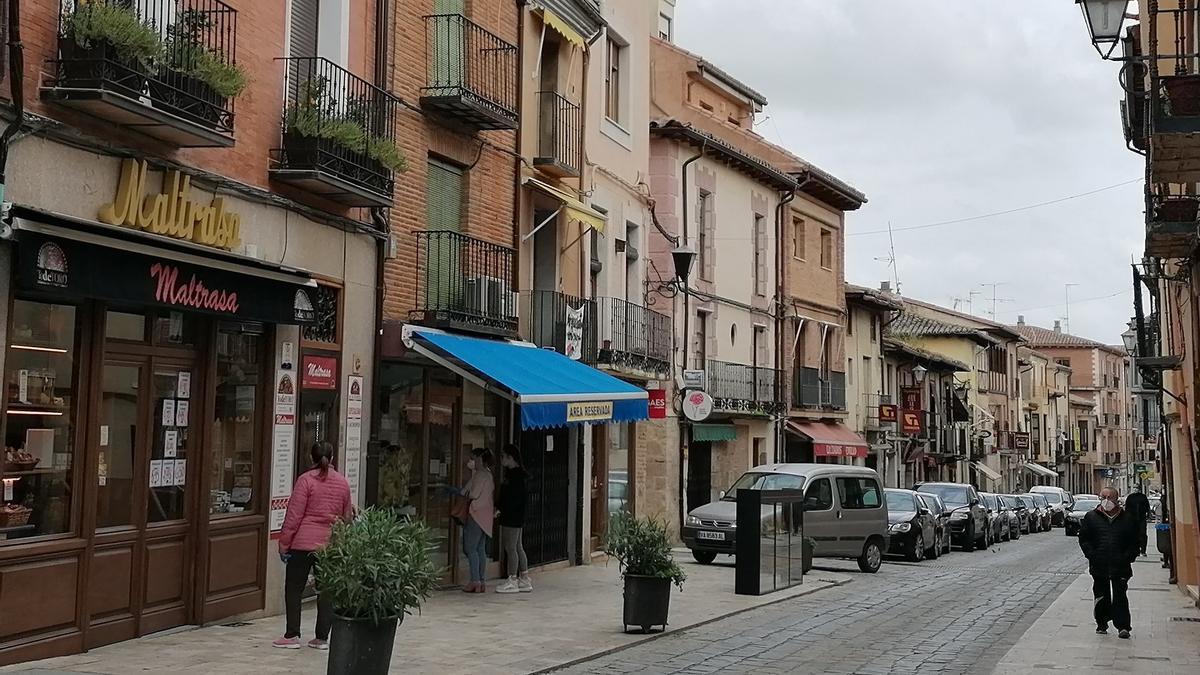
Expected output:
{"points": [[524, 585], [509, 586]]}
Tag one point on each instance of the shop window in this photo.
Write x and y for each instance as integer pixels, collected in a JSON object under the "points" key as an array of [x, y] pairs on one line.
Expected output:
{"points": [[124, 326], [318, 406], [401, 419], [176, 329], [39, 443], [237, 421], [170, 445], [325, 329], [620, 456]]}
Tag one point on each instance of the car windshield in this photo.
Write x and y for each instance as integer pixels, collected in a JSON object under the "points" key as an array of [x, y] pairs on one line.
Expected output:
{"points": [[1053, 497], [764, 481], [1086, 504], [990, 500], [1041, 501], [931, 502], [900, 501], [952, 495], [1030, 502]]}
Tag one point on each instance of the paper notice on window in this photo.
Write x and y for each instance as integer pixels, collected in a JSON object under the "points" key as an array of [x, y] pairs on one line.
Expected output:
{"points": [[8, 489], [180, 472], [184, 386], [168, 473], [168, 412], [103, 435], [156, 473], [23, 386], [102, 471], [181, 413], [170, 443]]}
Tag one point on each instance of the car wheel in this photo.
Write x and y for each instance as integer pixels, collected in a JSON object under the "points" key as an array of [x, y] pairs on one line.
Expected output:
{"points": [[872, 556], [1017, 533], [969, 539], [934, 552], [704, 557], [917, 554]]}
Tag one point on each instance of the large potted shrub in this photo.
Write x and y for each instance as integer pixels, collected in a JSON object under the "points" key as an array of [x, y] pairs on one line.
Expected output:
{"points": [[643, 551], [375, 570], [195, 78], [107, 42]]}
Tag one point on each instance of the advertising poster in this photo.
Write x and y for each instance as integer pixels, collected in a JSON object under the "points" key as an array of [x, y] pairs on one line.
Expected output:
{"points": [[283, 444]]}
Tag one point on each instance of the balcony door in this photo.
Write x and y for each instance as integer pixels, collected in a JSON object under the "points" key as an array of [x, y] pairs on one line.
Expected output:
{"points": [[448, 64], [444, 286]]}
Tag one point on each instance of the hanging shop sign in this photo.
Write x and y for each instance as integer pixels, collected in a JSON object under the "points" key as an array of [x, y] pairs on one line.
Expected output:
{"points": [[697, 406], [888, 412], [69, 267], [172, 211], [693, 379], [589, 411], [1020, 440], [910, 410], [573, 348], [319, 372], [657, 401]]}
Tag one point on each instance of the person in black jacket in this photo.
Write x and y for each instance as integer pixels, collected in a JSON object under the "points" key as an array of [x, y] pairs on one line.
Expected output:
{"points": [[511, 516], [1108, 537], [1137, 504]]}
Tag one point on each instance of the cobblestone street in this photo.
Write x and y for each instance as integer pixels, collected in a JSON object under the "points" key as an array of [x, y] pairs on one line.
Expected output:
{"points": [[959, 614]]}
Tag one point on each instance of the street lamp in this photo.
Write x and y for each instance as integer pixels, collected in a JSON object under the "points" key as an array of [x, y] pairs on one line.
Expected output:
{"points": [[1104, 19], [1129, 337], [683, 256], [919, 373]]}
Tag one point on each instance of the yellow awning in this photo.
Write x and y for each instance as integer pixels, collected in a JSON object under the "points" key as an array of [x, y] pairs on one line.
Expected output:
{"points": [[575, 209], [561, 27]]}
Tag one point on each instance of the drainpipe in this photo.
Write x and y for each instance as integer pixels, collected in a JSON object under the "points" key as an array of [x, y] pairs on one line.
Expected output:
{"points": [[380, 219], [778, 311], [687, 341], [518, 159]]}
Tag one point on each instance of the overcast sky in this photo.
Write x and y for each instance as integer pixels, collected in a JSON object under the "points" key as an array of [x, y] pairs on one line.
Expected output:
{"points": [[948, 109]]}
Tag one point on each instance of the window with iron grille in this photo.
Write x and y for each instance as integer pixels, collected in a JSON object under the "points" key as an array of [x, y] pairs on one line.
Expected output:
{"points": [[325, 329]]}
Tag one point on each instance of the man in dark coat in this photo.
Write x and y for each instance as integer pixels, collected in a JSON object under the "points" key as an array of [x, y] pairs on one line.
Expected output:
{"points": [[1137, 504], [1108, 537]]}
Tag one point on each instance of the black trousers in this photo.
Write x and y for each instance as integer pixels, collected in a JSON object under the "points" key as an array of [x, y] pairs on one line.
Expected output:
{"points": [[1142, 539], [298, 568], [1111, 602]]}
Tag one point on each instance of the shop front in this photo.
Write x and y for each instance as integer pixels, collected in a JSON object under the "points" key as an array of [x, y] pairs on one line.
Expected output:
{"points": [[825, 443]]}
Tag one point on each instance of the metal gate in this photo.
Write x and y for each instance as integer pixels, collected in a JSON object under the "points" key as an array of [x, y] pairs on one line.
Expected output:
{"points": [[546, 455]]}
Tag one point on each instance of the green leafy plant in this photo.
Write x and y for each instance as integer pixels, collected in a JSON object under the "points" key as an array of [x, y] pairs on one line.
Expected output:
{"points": [[188, 55], [385, 152], [377, 567], [315, 114], [641, 547], [99, 23]]}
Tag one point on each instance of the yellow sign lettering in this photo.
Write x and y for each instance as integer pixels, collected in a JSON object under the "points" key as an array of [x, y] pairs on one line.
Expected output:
{"points": [[589, 411]]}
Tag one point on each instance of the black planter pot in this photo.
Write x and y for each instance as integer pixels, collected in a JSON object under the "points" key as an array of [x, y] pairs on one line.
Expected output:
{"points": [[647, 602], [303, 152], [361, 647], [99, 67], [187, 95]]}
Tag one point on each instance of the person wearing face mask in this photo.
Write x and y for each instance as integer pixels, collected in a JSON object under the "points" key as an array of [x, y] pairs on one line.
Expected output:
{"points": [[477, 531], [1108, 537], [511, 515]]}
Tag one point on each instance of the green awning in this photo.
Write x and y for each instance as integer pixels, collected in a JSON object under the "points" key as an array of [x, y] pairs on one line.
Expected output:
{"points": [[714, 432]]}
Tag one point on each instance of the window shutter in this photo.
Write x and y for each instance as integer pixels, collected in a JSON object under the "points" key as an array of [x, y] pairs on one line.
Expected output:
{"points": [[760, 255], [304, 28], [443, 198], [445, 285]]}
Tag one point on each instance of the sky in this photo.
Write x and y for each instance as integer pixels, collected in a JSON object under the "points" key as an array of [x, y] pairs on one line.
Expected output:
{"points": [[944, 110]]}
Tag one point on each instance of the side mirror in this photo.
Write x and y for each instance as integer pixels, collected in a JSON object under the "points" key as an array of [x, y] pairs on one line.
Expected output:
{"points": [[721, 494], [924, 511], [975, 501]]}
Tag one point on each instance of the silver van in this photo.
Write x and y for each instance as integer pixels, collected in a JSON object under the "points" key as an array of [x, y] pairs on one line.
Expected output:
{"points": [[845, 513]]}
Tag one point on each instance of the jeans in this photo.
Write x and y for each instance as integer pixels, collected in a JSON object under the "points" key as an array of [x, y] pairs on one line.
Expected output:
{"points": [[295, 579], [514, 551], [475, 547], [1111, 602]]}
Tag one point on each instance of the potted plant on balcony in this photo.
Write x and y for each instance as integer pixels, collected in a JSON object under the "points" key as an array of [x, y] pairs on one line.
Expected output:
{"points": [[108, 43], [314, 121], [375, 570], [1182, 94], [195, 78], [643, 552]]}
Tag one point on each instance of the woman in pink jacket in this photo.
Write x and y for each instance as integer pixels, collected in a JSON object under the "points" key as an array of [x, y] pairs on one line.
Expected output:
{"points": [[477, 531], [320, 498]]}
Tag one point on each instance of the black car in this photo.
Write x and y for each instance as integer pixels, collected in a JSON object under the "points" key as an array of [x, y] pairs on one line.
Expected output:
{"points": [[968, 515], [942, 515], [1020, 511], [1075, 515], [912, 526], [998, 516]]}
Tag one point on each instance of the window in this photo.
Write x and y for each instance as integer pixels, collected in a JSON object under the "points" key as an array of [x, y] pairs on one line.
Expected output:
{"points": [[665, 27], [859, 493], [819, 496], [612, 81], [36, 485], [236, 420], [798, 239], [760, 254], [850, 372], [701, 339], [304, 28], [826, 249], [702, 205], [874, 328]]}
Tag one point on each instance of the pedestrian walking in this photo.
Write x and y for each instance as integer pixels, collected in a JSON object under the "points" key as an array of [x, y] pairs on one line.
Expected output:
{"points": [[319, 499], [511, 518], [481, 513], [1108, 537], [1137, 504]]}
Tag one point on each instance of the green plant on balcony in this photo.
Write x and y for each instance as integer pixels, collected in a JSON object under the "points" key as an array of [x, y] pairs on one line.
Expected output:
{"points": [[195, 77], [97, 32], [315, 117]]}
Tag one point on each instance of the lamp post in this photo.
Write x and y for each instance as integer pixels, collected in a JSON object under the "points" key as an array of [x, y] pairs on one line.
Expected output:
{"points": [[684, 257], [1104, 21], [919, 373]]}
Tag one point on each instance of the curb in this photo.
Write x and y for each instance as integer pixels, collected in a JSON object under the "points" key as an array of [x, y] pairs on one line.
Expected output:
{"points": [[666, 633]]}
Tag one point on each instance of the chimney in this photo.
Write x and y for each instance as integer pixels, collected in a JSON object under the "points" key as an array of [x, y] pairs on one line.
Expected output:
{"points": [[885, 286], [1057, 326], [1020, 319]]}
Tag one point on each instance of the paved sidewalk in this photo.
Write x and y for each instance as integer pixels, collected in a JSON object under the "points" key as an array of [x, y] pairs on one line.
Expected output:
{"points": [[574, 613], [1063, 639]]}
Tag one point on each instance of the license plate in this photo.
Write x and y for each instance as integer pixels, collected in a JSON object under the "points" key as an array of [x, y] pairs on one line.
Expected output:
{"points": [[719, 536]]}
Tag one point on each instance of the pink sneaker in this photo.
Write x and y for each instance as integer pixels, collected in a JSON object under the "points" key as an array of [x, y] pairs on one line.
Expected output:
{"points": [[287, 643], [317, 643]]}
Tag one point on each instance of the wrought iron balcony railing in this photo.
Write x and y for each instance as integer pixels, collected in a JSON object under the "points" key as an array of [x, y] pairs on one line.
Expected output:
{"points": [[472, 73], [337, 134], [173, 76], [634, 337], [465, 283], [560, 134], [565, 323], [739, 388]]}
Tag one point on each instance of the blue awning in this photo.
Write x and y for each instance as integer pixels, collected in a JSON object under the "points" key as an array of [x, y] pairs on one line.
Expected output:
{"points": [[552, 390]]}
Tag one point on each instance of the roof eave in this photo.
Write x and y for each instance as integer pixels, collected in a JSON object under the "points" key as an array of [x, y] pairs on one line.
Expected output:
{"points": [[728, 153]]}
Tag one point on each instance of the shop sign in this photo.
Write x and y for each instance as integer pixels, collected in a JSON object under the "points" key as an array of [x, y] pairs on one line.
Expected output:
{"points": [[573, 348], [697, 406], [319, 372], [353, 459], [693, 379], [833, 450], [283, 447], [910, 410], [88, 271], [589, 411], [1020, 440], [657, 400], [171, 211], [888, 412], [911, 422]]}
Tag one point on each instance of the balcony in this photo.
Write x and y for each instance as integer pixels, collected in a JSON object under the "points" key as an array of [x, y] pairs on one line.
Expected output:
{"points": [[564, 323], [560, 133], [740, 389], [1133, 81], [464, 284], [1172, 222], [337, 135], [634, 339], [175, 80], [1174, 100], [472, 74]]}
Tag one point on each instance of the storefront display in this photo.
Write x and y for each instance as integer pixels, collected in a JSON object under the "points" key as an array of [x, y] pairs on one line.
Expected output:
{"points": [[237, 420]]}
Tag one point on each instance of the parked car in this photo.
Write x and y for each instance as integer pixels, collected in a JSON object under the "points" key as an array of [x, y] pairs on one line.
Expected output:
{"points": [[1044, 509], [1081, 508], [844, 512], [1060, 502], [942, 514], [1000, 516], [968, 515], [1087, 496], [1020, 513], [912, 526], [1035, 512]]}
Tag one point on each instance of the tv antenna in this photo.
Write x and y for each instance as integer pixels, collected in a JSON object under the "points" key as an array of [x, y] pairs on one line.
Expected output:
{"points": [[891, 259]]}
